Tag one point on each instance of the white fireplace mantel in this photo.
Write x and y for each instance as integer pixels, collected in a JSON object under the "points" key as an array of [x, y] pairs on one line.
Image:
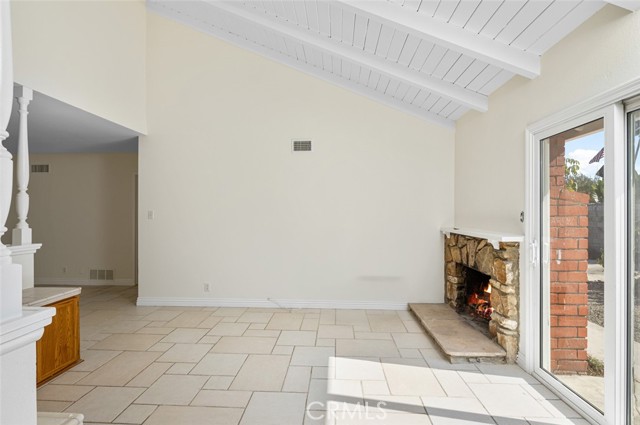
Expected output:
{"points": [[494, 238]]}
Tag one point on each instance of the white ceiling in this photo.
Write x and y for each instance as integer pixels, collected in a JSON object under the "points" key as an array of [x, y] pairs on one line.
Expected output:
{"points": [[434, 59], [56, 127]]}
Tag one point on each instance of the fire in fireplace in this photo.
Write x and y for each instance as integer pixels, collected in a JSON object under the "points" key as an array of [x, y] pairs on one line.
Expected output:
{"points": [[477, 295]]}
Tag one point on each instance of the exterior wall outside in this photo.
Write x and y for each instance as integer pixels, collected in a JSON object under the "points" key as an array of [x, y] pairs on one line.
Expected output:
{"points": [[82, 212], [596, 230], [358, 219], [89, 54], [490, 146], [569, 234]]}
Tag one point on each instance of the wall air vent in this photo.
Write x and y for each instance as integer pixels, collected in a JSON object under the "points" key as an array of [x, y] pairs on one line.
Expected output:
{"points": [[100, 274], [40, 168], [301, 145]]}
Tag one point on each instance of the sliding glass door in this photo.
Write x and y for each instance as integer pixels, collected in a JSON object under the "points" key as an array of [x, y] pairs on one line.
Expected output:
{"points": [[633, 149], [579, 259], [572, 262]]}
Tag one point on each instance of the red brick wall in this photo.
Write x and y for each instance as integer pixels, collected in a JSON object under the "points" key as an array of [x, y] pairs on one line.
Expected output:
{"points": [[569, 221]]}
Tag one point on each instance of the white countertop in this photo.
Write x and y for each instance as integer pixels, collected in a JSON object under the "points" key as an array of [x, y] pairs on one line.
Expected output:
{"points": [[40, 296]]}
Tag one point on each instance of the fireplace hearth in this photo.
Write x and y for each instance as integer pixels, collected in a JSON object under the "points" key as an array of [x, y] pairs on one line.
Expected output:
{"points": [[482, 282]]}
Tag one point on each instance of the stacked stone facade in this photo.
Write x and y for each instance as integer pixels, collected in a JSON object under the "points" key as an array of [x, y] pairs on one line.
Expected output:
{"points": [[502, 266]]}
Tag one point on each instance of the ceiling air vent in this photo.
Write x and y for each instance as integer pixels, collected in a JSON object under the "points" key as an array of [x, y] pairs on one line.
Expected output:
{"points": [[302, 145], [40, 168]]}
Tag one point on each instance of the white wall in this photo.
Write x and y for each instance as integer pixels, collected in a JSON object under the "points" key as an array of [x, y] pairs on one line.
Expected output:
{"points": [[357, 219], [89, 54], [489, 167], [82, 212]]}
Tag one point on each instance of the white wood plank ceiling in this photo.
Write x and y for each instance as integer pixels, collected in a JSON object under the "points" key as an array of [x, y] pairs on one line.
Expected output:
{"points": [[434, 59]]}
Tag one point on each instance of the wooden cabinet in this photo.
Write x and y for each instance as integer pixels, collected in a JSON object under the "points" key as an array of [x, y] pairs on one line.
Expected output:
{"points": [[59, 347]]}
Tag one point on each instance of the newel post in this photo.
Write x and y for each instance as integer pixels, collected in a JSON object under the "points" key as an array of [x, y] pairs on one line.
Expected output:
{"points": [[22, 233]]}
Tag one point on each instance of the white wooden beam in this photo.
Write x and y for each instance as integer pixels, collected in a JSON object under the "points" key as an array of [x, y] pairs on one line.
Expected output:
{"points": [[193, 21], [351, 54], [631, 5], [455, 38]]}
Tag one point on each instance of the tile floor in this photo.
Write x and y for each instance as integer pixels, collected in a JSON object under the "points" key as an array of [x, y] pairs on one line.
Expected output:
{"points": [[174, 365]]}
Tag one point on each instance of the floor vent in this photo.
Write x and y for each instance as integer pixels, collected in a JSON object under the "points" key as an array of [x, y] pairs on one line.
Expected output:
{"points": [[99, 274], [40, 168], [302, 145]]}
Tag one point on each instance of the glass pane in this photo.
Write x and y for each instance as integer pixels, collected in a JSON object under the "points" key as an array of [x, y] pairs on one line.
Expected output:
{"points": [[634, 252], [573, 260]]}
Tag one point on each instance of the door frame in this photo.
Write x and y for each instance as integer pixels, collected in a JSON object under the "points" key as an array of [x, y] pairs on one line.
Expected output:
{"points": [[608, 105]]}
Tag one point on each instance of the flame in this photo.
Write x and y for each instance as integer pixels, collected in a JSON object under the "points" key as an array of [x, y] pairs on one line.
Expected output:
{"points": [[488, 290]]}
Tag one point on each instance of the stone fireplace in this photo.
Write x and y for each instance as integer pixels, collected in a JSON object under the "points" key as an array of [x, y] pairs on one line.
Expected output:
{"points": [[465, 256]]}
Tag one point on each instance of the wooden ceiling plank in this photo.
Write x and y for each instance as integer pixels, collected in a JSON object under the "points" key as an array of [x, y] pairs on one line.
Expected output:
{"points": [[332, 48], [454, 38]]}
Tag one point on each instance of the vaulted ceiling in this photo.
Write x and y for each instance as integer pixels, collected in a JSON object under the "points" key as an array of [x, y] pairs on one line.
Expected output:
{"points": [[436, 59]]}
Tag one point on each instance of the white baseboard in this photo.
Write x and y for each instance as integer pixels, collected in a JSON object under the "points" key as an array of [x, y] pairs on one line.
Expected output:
{"points": [[60, 281], [269, 303]]}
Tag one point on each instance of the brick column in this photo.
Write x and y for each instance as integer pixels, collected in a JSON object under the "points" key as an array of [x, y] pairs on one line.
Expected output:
{"points": [[569, 233]]}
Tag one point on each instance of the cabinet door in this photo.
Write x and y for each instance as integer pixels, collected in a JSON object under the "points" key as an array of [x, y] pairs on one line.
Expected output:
{"points": [[59, 346]]}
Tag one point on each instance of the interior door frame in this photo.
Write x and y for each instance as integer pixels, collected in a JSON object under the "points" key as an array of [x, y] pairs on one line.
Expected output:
{"points": [[608, 105]]}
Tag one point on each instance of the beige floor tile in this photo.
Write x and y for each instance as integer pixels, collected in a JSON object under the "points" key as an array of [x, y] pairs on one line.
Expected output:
{"points": [[366, 348], [352, 317], [325, 342], [136, 414], [374, 335], [413, 340], [218, 398], [320, 372], [286, 321], [185, 353], [180, 369], [125, 326], [155, 331], [93, 359], [275, 409], [412, 380], [104, 404], [412, 326], [335, 331], [188, 319], [309, 324], [251, 317], [262, 373], [374, 388], [209, 322], [244, 345], [69, 377], [174, 415], [150, 375], [161, 347], [297, 379], [355, 369], [218, 383], [257, 326], [230, 311], [185, 335], [208, 339], [307, 338], [452, 383], [162, 315], [219, 364], [53, 392], [312, 356], [130, 342], [173, 389], [228, 329], [283, 349], [53, 406], [262, 332], [508, 400], [121, 369], [382, 419], [328, 317], [386, 323], [410, 353]]}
